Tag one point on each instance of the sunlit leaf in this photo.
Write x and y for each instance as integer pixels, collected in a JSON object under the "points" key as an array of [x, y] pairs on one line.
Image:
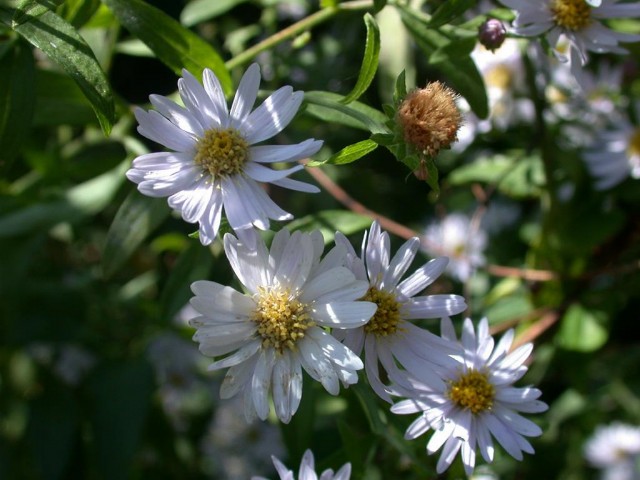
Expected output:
{"points": [[369, 62], [327, 106], [62, 43], [348, 154], [582, 330], [201, 10], [175, 45]]}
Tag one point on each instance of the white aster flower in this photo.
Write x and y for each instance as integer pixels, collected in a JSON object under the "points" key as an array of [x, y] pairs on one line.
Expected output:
{"points": [[389, 336], [215, 163], [615, 449], [614, 155], [478, 401], [455, 237], [307, 470], [580, 21], [269, 334]]}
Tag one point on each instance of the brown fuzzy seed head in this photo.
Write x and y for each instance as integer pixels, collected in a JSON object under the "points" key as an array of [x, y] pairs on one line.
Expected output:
{"points": [[430, 118]]}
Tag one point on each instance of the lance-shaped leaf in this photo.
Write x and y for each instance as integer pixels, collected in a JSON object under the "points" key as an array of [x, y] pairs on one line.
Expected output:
{"points": [[348, 154], [175, 45], [369, 62], [62, 43]]}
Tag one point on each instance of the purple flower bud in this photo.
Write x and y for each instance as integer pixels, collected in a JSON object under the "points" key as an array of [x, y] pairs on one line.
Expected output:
{"points": [[492, 33]]}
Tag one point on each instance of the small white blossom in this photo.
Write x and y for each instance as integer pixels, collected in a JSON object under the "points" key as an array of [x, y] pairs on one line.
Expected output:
{"points": [[215, 162], [477, 400], [615, 449], [307, 470], [390, 337], [268, 335]]}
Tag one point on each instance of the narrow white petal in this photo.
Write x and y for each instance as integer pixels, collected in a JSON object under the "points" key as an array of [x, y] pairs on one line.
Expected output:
{"points": [[433, 306], [261, 383], [284, 153], [273, 115], [179, 116], [423, 277], [245, 97], [328, 282], [216, 94], [317, 366], [237, 377], [371, 368], [197, 101], [250, 266], [210, 221], [240, 356], [260, 173], [400, 263], [157, 128], [335, 351], [282, 387], [296, 261], [214, 296], [343, 314], [298, 186]]}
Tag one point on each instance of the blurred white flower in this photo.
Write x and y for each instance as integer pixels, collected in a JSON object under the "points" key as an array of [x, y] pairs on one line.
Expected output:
{"points": [[578, 20], [69, 362], [390, 338], [307, 470], [215, 163], [455, 237], [269, 334], [477, 402], [615, 449], [614, 155]]}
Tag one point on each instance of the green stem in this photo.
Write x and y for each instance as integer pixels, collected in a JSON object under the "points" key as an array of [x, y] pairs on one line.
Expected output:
{"points": [[296, 29]]}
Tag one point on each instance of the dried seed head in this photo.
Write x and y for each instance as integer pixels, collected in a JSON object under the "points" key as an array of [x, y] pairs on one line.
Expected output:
{"points": [[430, 118]]}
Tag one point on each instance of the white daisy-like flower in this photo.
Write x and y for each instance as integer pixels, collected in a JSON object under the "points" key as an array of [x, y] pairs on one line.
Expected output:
{"points": [[478, 401], [615, 449], [614, 155], [455, 237], [307, 470], [390, 337], [278, 327], [580, 21], [216, 163]]}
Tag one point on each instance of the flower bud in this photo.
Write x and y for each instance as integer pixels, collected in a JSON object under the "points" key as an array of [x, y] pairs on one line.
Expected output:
{"points": [[430, 118], [491, 34]]}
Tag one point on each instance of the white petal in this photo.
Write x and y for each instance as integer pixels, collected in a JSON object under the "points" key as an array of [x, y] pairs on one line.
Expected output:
{"points": [[157, 128], [198, 102], [237, 377], [343, 314], [321, 286], [213, 296], [245, 97], [334, 350], [250, 266], [240, 356], [423, 277], [179, 116], [433, 306], [216, 94], [261, 173], [295, 264], [400, 263], [273, 115], [284, 153], [317, 366], [282, 376], [261, 383], [296, 185]]}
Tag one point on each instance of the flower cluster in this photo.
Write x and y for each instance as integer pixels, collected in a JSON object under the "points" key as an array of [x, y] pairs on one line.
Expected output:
{"points": [[329, 315]]}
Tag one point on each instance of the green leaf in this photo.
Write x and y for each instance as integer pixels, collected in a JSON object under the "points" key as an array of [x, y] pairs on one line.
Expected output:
{"points": [[348, 154], [120, 396], [136, 218], [175, 45], [201, 10], [452, 51], [83, 200], [62, 43], [327, 106], [330, 221], [193, 264], [514, 175], [400, 90], [582, 330], [379, 5], [448, 11], [78, 12], [369, 62], [461, 72], [52, 429], [59, 101], [16, 100]]}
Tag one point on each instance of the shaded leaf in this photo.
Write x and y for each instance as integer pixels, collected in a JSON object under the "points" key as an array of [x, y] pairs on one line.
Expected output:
{"points": [[330, 221], [369, 62], [449, 10], [16, 100], [136, 218], [175, 45], [327, 106]]}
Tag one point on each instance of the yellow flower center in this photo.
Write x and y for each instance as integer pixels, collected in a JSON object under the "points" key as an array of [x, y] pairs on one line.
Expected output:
{"points": [[282, 320], [387, 317], [473, 391], [634, 143], [499, 76], [571, 14], [222, 152]]}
